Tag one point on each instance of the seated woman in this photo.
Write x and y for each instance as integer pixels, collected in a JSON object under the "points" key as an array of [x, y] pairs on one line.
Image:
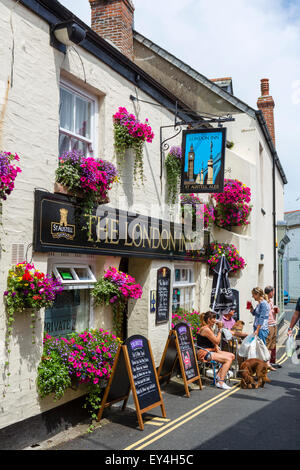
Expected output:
{"points": [[208, 340]]}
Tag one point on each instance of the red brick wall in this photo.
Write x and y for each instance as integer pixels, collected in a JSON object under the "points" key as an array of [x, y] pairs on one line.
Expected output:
{"points": [[266, 104], [113, 20]]}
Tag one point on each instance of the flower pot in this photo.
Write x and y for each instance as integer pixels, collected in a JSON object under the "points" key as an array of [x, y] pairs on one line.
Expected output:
{"points": [[61, 189]]}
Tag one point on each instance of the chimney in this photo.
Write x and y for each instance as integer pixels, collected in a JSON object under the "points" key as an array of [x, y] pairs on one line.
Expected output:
{"points": [[113, 21], [266, 104]]}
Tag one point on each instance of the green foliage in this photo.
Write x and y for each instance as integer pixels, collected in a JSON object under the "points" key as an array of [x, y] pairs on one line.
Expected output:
{"points": [[124, 141], [173, 170], [53, 376]]}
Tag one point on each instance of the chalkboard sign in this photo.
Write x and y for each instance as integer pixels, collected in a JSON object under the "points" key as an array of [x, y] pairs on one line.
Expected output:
{"points": [[134, 369], [187, 350], [163, 295], [180, 346]]}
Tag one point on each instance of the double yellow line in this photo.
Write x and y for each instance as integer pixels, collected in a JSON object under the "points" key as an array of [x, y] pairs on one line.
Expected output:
{"points": [[146, 441]]}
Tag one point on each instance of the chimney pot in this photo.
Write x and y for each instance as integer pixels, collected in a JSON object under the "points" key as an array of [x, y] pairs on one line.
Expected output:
{"points": [[266, 104], [264, 86]]}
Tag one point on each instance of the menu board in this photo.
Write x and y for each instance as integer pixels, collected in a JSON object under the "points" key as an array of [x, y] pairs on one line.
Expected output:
{"points": [[163, 295], [134, 369], [187, 350], [142, 371], [180, 347]]}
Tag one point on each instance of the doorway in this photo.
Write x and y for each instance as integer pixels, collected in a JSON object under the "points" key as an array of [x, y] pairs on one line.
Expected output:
{"points": [[124, 263]]}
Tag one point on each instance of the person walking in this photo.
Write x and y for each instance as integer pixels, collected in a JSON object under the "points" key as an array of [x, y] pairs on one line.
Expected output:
{"points": [[272, 337], [209, 342], [294, 318], [261, 316]]}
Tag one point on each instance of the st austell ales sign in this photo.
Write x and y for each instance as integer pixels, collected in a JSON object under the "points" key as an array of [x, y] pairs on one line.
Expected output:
{"points": [[203, 154]]}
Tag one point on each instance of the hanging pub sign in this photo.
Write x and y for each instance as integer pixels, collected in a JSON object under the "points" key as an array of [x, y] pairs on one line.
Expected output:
{"points": [[163, 295], [134, 369], [203, 155], [108, 231]]}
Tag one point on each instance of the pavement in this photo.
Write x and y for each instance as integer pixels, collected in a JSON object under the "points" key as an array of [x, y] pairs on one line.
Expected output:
{"points": [[69, 438]]}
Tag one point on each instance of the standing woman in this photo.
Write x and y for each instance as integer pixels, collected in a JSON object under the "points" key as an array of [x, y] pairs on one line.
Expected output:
{"points": [[261, 313], [210, 342]]}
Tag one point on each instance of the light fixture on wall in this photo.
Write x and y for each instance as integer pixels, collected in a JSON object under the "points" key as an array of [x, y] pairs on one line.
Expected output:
{"points": [[67, 33]]}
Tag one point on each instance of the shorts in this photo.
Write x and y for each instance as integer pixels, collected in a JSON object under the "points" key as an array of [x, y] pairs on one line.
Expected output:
{"points": [[271, 340], [202, 354], [263, 334]]}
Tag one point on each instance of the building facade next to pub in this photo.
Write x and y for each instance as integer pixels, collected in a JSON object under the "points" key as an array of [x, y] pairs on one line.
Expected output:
{"points": [[53, 100]]}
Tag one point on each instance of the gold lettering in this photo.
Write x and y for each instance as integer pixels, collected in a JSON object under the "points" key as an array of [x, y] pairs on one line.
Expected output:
{"points": [[182, 241], [90, 239], [171, 240], [166, 239], [104, 229], [140, 233], [146, 235], [113, 231], [126, 243], [152, 230]]}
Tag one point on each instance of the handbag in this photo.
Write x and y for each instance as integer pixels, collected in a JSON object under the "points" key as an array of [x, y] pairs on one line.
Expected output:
{"points": [[245, 345], [262, 351]]}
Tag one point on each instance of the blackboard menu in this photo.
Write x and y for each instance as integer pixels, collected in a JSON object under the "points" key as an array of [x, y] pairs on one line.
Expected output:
{"points": [[163, 295], [142, 369], [186, 349]]}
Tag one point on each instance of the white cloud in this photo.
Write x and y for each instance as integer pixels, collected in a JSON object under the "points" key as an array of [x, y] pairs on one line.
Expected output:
{"points": [[245, 40]]}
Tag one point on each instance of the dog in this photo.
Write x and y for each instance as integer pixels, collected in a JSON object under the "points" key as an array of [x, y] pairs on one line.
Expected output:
{"points": [[252, 367], [238, 326]]}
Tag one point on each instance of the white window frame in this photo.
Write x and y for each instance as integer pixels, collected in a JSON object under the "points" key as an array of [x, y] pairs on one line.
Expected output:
{"points": [[180, 284], [92, 143], [75, 284]]}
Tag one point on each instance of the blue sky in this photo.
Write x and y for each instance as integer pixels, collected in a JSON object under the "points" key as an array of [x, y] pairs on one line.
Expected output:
{"points": [[242, 39]]}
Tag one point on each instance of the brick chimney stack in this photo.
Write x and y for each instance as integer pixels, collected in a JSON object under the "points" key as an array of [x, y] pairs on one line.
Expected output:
{"points": [[266, 104], [113, 21]]}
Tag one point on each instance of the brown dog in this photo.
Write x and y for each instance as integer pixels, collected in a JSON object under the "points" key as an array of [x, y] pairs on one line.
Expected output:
{"points": [[252, 367]]}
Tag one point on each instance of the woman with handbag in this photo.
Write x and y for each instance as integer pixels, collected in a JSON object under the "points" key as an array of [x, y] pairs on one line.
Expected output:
{"points": [[261, 317]]}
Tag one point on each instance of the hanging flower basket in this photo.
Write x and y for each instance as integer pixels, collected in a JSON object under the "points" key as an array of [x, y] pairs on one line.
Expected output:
{"points": [[8, 173], [28, 290], [231, 253], [173, 171], [129, 132], [85, 178], [114, 288], [232, 206]]}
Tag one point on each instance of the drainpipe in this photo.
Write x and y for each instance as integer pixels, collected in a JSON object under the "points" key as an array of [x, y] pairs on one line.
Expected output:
{"points": [[265, 129]]}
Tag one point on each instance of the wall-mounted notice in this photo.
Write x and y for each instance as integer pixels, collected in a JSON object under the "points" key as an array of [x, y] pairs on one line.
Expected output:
{"points": [[163, 295]]}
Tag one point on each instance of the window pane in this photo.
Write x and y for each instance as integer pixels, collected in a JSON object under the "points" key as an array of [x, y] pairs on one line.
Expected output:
{"points": [[83, 117], [66, 274], [79, 146], [66, 113], [177, 275], [64, 143], [83, 274], [70, 312]]}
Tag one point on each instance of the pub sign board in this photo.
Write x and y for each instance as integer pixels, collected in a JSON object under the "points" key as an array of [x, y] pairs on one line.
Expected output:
{"points": [[134, 369], [108, 231], [203, 159], [163, 295]]}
